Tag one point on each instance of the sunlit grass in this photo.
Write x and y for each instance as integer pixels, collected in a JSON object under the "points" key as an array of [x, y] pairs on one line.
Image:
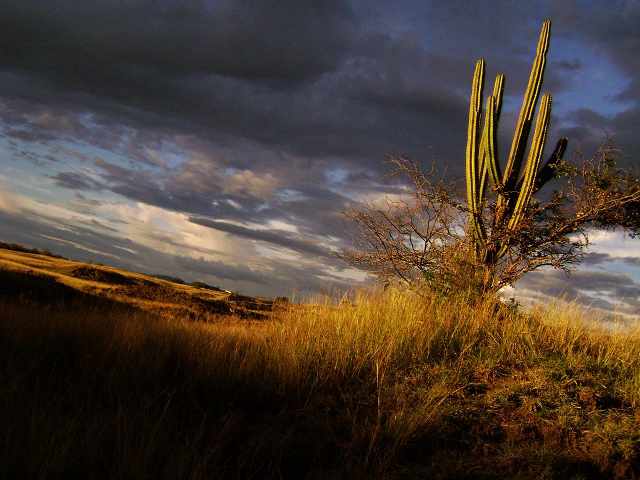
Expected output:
{"points": [[388, 384]]}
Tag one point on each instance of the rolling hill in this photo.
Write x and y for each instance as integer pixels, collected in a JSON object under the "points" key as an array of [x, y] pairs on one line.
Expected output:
{"points": [[43, 277]]}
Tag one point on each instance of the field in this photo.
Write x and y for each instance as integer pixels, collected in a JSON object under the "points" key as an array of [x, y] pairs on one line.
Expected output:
{"points": [[110, 374]]}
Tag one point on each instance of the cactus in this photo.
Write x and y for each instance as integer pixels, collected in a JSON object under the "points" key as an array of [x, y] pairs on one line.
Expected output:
{"points": [[513, 191]]}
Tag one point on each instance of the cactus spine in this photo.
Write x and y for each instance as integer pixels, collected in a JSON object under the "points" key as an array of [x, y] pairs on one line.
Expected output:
{"points": [[513, 191]]}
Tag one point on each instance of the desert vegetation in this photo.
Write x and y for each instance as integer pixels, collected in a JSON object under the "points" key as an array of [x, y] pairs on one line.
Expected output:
{"points": [[391, 385]]}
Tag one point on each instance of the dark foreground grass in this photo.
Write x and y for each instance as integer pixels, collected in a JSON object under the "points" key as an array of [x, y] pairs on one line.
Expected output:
{"points": [[393, 387]]}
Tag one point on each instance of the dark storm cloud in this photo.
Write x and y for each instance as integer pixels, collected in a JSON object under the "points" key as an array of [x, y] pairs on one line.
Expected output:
{"points": [[567, 66], [593, 129], [633, 261], [353, 88], [108, 43], [276, 237], [188, 66], [611, 29], [131, 183], [587, 287], [222, 270], [597, 258], [182, 190], [27, 135], [618, 284], [212, 69], [76, 181]]}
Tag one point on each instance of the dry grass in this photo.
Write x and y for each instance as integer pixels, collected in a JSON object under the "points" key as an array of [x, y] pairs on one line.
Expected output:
{"points": [[33, 274], [389, 386]]}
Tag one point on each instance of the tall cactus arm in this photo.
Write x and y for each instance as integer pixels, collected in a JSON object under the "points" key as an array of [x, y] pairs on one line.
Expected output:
{"points": [[521, 134], [488, 162], [472, 152], [533, 162], [491, 162], [475, 105]]}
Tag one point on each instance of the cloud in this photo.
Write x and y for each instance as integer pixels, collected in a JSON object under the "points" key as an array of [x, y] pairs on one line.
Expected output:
{"points": [[276, 237], [76, 181], [181, 251], [598, 258], [611, 28], [8, 202], [165, 75], [607, 290], [102, 44], [354, 90], [255, 185], [222, 270], [611, 31]]}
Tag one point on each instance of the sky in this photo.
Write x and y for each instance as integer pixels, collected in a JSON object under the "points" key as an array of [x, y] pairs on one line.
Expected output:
{"points": [[221, 140]]}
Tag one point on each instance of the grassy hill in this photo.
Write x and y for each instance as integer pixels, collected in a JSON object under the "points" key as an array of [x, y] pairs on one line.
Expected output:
{"points": [[113, 381], [53, 279]]}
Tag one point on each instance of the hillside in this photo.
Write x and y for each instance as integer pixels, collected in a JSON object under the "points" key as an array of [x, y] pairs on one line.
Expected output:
{"points": [[103, 374], [44, 277]]}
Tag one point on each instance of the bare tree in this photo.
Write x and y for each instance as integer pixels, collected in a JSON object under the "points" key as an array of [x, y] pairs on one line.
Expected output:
{"points": [[411, 239], [424, 239]]}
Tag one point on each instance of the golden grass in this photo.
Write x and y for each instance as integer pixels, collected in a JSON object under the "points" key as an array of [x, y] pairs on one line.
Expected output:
{"points": [[390, 385], [135, 290]]}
